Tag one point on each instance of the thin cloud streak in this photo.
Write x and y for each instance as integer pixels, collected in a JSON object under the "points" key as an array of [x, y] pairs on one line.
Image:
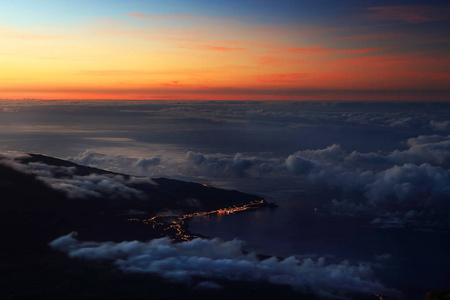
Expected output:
{"points": [[211, 48], [409, 14], [321, 50]]}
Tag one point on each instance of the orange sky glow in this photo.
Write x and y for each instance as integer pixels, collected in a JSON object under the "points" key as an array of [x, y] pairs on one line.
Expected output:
{"points": [[375, 53]]}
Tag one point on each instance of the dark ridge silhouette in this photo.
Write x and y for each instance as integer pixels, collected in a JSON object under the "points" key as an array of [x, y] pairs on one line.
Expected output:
{"points": [[52, 161]]}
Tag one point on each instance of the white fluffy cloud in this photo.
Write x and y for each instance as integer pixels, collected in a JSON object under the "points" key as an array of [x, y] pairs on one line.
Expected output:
{"points": [[76, 186], [93, 185], [386, 185], [216, 259], [118, 163], [226, 165], [394, 185], [418, 172], [418, 184], [440, 125], [433, 149]]}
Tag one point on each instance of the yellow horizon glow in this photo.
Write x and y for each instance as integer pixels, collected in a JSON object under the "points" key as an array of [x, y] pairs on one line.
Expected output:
{"points": [[145, 57]]}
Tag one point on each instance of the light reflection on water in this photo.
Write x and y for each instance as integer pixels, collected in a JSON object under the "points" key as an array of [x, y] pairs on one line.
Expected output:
{"points": [[284, 231]]}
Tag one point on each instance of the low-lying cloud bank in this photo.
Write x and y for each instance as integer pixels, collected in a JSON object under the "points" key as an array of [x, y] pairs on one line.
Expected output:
{"points": [[216, 259], [131, 165], [64, 179], [404, 185]]}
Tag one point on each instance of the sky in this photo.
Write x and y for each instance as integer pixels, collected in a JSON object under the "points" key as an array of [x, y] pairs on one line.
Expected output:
{"points": [[225, 50]]}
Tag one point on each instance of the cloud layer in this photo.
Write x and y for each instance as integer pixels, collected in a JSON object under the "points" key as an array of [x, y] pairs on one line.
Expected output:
{"points": [[116, 162], [64, 179], [216, 259], [415, 177], [408, 184]]}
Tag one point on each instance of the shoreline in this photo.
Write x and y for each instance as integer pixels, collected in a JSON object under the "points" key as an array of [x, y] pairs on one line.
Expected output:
{"points": [[176, 227]]}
